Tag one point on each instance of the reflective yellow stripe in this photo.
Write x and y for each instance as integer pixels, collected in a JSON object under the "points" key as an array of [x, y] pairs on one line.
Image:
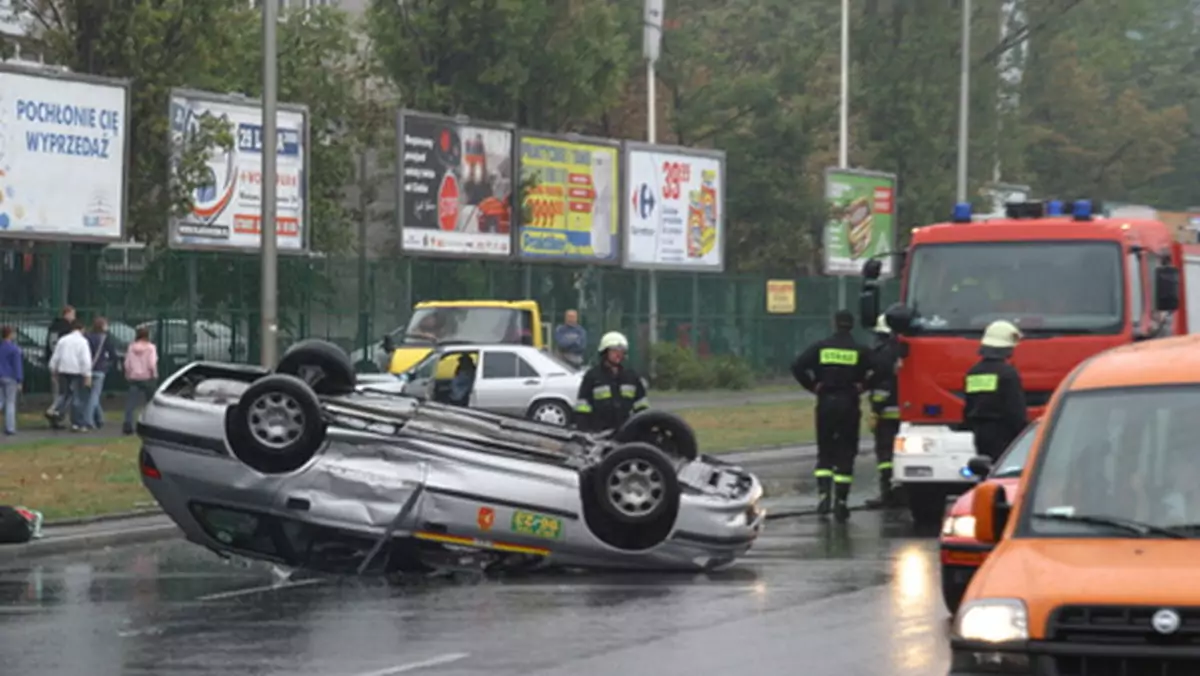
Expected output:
{"points": [[884, 465], [836, 357], [821, 473], [641, 404], [982, 382], [601, 393], [629, 391], [890, 414], [583, 407], [879, 396], [842, 479]]}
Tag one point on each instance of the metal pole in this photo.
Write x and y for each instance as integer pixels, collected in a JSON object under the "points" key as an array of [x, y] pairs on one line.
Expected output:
{"points": [[270, 324], [964, 101], [651, 137], [844, 122]]}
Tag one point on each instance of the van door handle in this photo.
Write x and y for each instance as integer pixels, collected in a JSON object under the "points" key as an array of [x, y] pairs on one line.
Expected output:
{"points": [[532, 381]]}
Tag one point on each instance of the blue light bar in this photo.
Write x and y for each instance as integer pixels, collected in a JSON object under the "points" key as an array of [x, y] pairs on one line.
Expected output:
{"points": [[962, 212], [966, 473], [1054, 208], [1083, 210]]}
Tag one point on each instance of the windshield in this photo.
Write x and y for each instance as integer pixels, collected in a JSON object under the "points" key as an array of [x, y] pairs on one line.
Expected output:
{"points": [[1125, 454], [1044, 287], [481, 325], [1013, 460]]}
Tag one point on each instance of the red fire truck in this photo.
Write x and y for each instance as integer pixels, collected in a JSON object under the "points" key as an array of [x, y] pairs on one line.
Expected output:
{"points": [[1075, 284]]}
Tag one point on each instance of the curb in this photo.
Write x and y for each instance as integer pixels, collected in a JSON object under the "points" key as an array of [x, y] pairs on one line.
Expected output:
{"points": [[71, 544], [104, 518]]}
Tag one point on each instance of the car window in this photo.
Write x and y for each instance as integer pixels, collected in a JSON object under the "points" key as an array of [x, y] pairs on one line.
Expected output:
{"points": [[524, 370], [499, 365], [1125, 453], [1013, 461]]}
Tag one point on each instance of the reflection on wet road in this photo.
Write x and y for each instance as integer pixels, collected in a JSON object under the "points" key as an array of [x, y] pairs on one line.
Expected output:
{"points": [[811, 598]]}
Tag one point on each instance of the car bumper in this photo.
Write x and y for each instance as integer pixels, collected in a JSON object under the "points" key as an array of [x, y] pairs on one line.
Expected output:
{"points": [[1045, 658], [933, 454], [962, 553]]}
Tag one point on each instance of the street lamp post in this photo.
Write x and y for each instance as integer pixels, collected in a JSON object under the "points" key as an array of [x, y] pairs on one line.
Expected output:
{"points": [[964, 101], [651, 43], [844, 121], [270, 259]]}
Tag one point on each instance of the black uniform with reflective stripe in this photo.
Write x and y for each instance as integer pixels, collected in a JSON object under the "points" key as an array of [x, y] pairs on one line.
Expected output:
{"points": [[884, 399], [839, 364], [608, 397], [995, 405]]}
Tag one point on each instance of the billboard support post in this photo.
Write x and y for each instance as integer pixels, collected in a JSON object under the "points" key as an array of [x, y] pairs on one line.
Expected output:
{"points": [[651, 44], [270, 258], [844, 121]]}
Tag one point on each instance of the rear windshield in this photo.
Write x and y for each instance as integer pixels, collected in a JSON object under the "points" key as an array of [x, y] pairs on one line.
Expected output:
{"points": [[1128, 454]]}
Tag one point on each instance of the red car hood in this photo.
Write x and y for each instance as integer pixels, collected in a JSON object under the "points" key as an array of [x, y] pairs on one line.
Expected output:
{"points": [[962, 506]]}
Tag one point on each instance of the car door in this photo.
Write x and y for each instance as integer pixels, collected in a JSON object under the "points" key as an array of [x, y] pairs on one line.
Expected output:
{"points": [[506, 384]]}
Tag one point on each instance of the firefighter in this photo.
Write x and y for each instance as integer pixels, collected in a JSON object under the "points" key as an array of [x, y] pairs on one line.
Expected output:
{"points": [[610, 392], [995, 398], [885, 409], [836, 370]]}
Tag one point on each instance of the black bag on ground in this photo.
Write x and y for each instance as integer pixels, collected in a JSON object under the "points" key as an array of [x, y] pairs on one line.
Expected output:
{"points": [[14, 527]]}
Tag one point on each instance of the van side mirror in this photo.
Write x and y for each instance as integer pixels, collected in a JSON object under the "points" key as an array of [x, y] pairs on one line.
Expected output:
{"points": [[868, 305], [389, 345], [991, 509], [872, 269], [980, 466], [1166, 289]]}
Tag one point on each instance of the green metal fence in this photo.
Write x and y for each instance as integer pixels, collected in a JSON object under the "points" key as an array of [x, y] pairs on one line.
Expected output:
{"points": [[205, 305]]}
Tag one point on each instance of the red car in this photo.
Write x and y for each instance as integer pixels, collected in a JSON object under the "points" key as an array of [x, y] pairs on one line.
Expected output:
{"points": [[961, 553]]}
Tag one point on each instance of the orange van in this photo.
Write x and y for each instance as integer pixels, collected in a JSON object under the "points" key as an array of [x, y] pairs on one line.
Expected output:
{"points": [[1096, 566]]}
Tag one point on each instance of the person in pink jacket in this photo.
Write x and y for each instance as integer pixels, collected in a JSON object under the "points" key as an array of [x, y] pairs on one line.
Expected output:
{"points": [[141, 371]]}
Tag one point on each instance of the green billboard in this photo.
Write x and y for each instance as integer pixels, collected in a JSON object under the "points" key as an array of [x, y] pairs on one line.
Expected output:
{"points": [[862, 220]]}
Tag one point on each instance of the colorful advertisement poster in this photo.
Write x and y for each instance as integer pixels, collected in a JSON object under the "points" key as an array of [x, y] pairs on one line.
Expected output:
{"points": [[455, 187], [227, 209], [862, 220], [569, 205], [675, 201], [63, 152]]}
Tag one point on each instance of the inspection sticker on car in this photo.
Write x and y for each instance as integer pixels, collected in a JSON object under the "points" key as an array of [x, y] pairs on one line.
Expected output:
{"points": [[537, 525]]}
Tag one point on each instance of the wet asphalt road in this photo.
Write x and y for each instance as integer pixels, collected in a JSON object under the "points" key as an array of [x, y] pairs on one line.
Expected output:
{"points": [[855, 599]]}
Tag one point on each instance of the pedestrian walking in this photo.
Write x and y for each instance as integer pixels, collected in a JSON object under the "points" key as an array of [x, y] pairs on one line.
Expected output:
{"points": [[71, 365], [995, 409], [12, 377], [836, 370], [60, 327], [141, 372], [885, 409], [104, 355], [610, 392]]}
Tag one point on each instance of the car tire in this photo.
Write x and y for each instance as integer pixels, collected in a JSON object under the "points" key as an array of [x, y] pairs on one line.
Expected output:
{"points": [[665, 431], [277, 425], [635, 484], [550, 412], [324, 366], [927, 507], [953, 591]]}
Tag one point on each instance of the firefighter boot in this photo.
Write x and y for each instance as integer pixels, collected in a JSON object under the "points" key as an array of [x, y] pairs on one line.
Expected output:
{"points": [[841, 508], [887, 497], [824, 488]]}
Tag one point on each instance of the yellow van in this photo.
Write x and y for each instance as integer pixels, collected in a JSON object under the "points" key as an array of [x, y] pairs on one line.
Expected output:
{"points": [[449, 322], [1096, 568]]}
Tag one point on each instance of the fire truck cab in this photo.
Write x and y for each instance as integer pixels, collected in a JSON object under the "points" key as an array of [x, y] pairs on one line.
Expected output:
{"points": [[1075, 284]]}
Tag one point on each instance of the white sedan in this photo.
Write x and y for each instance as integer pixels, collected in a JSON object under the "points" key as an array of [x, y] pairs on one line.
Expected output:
{"points": [[514, 380]]}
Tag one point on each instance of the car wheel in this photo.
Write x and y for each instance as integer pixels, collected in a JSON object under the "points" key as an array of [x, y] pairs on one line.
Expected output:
{"points": [[324, 366], [953, 589], [277, 426], [550, 412], [665, 431], [927, 508], [636, 484]]}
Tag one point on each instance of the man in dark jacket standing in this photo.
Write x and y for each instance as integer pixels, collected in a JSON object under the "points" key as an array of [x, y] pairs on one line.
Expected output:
{"points": [[836, 370], [610, 392], [995, 408], [885, 409], [60, 327]]}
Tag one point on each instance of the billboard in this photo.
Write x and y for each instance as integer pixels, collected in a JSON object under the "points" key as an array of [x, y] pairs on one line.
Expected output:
{"points": [[226, 210], [64, 140], [571, 209], [861, 222], [675, 202], [455, 187]]}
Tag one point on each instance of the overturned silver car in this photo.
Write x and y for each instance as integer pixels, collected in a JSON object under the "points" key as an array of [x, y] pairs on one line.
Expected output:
{"points": [[309, 469]]}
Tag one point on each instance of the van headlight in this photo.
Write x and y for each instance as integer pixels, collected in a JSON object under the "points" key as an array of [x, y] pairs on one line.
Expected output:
{"points": [[959, 526], [993, 621], [913, 444]]}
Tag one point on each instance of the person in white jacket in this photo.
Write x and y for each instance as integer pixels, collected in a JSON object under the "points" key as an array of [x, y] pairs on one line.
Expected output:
{"points": [[71, 364]]}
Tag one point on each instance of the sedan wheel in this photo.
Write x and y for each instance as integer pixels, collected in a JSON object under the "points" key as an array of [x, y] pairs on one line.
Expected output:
{"points": [[551, 413]]}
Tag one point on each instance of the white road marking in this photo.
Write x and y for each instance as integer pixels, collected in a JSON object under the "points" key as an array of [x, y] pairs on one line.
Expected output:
{"points": [[256, 590], [413, 666]]}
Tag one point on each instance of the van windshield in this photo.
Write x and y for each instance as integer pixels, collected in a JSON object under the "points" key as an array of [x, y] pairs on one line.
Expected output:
{"points": [[479, 325], [1045, 287], [1120, 462]]}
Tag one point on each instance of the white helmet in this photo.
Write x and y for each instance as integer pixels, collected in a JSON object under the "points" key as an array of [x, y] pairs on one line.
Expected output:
{"points": [[1001, 334], [881, 325], [613, 339]]}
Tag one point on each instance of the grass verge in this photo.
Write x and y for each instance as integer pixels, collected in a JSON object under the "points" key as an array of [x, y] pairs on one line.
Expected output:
{"points": [[720, 430], [73, 477]]}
